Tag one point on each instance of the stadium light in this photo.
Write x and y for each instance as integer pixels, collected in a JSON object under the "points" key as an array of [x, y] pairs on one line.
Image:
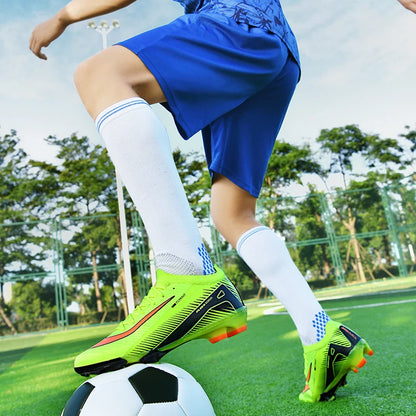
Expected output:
{"points": [[104, 29]]}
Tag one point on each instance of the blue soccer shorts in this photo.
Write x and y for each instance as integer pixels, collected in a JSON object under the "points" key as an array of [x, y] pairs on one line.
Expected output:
{"points": [[232, 81]]}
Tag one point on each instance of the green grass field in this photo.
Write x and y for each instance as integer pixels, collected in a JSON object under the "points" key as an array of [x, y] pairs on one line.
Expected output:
{"points": [[259, 372]]}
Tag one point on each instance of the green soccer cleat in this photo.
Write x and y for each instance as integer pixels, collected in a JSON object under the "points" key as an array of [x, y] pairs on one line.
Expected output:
{"points": [[176, 310], [328, 362]]}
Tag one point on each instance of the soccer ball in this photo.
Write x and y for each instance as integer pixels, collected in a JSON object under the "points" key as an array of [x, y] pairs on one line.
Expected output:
{"points": [[140, 390]]}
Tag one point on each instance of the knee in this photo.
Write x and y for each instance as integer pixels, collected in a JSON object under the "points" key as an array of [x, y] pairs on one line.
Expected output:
{"points": [[233, 209], [94, 79], [83, 76], [231, 222]]}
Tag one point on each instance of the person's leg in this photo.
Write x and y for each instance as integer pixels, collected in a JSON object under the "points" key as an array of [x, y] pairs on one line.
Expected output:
{"points": [[238, 148], [116, 89], [233, 213], [113, 75]]}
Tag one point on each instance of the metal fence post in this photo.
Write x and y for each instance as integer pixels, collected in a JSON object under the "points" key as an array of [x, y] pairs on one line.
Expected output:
{"points": [[392, 225], [60, 289], [140, 252], [333, 245]]}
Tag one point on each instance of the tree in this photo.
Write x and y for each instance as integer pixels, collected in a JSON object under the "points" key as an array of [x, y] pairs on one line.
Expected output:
{"points": [[368, 204], [315, 258], [196, 180], [34, 304], [92, 244], [21, 239], [88, 187], [86, 176], [286, 166], [344, 144], [410, 137]]}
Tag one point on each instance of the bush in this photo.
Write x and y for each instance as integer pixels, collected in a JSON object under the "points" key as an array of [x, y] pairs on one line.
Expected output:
{"points": [[35, 325], [322, 283], [244, 281]]}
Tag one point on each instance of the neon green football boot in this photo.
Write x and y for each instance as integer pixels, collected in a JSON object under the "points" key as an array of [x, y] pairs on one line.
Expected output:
{"points": [[176, 310], [328, 362]]}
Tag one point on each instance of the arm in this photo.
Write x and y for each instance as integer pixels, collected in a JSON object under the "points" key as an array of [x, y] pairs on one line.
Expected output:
{"points": [[74, 11], [409, 4]]}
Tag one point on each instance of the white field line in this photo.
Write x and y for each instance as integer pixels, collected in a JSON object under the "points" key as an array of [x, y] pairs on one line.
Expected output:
{"points": [[321, 298], [272, 311]]}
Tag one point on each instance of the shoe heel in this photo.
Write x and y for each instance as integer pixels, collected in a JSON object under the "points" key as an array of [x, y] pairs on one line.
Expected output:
{"points": [[220, 334], [235, 325]]}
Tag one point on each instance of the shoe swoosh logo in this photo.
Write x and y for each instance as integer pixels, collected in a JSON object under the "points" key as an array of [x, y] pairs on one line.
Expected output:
{"points": [[309, 374], [125, 334]]}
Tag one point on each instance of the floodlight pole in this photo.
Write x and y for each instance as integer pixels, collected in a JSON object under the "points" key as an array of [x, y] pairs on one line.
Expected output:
{"points": [[104, 29]]}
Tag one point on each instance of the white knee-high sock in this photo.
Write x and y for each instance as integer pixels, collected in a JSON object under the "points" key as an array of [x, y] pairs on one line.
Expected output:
{"points": [[266, 254], [139, 147]]}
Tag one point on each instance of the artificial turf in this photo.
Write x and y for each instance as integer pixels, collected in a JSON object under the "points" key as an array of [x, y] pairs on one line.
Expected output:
{"points": [[257, 373]]}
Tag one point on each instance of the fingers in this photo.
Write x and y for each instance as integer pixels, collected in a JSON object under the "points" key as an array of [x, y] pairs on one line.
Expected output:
{"points": [[409, 4], [36, 47], [42, 56], [39, 54], [42, 35]]}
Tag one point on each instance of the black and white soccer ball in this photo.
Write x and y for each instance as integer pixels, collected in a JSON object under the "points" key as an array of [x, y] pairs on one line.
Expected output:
{"points": [[140, 390]]}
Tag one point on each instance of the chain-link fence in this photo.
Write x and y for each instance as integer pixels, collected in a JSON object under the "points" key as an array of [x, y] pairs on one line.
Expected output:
{"points": [[68, 271]]}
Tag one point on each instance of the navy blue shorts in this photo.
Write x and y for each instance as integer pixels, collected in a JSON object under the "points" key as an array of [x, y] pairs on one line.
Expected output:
{"points": [[232, 81]]}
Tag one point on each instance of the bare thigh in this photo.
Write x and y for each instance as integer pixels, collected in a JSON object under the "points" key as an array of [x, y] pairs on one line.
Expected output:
{"points": [[113, 75]]}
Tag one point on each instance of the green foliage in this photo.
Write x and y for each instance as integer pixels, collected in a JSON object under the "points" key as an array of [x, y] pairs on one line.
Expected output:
{"points": [[88, 187], [83, 184], [196, 180], [107, 299], [34, 305], [242, 277], [86, 176], [288, 163], [94, 240], [24, 244], [313, 260], [19, 191], [347, 143], [410, 136]]}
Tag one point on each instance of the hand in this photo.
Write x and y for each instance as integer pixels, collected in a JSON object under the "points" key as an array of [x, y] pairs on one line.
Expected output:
{"points": [[409, 4], [45, 33]]}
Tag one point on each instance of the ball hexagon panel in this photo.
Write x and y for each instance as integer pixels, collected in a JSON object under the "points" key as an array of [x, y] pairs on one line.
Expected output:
{"points": [[140, 390]]}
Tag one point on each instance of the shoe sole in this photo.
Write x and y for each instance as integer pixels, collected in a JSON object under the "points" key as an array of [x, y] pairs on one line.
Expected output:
{"points": [[228, 327]]}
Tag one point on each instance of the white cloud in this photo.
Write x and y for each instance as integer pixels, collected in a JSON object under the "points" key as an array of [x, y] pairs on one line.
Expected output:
{"points": [[359, 38], [38, 98], [358, 60]]}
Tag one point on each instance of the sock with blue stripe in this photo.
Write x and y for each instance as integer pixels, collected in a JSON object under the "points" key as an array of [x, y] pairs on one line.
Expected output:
{"points": [[139, 147], [266, 254]]}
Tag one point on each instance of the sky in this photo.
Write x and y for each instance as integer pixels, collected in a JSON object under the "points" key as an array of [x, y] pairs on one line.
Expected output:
{"points": [[358, 66]]}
